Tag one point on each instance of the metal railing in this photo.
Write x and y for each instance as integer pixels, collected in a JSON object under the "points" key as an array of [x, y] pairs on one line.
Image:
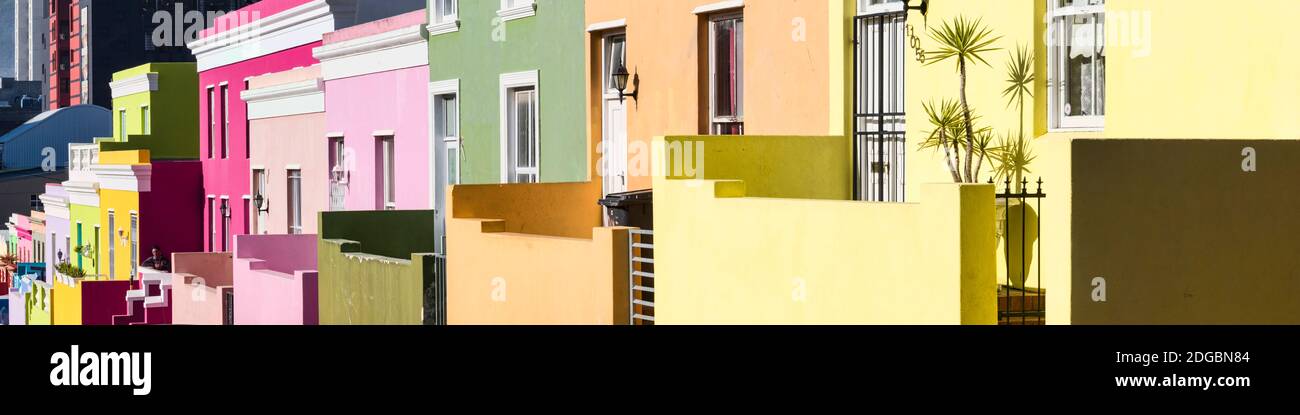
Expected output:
{"points": [[1020, 304], [641, 278], [435, 293]]}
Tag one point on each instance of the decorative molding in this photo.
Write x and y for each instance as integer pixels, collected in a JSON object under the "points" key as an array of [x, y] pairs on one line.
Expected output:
{"points": [[56, 206], [450, 86], [720, 6], [435, 29], [305, 97], [397, 49], [520, 12], [82, 193], [291, 28], [134, 85], [124, 177], [602, 26]]}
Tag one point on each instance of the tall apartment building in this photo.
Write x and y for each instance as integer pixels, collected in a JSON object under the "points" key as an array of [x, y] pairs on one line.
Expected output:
{"points": [[92, 39]]}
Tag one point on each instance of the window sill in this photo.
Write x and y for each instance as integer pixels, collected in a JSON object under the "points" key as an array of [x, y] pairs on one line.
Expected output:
{"points": [[517, 12], [443, 28], [1076, 130]]}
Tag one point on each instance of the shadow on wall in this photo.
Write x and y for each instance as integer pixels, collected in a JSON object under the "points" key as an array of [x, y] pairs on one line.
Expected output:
{"points": [[1185, 232]]}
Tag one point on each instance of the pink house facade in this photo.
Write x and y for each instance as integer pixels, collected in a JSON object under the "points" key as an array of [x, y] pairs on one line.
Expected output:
{"points": [[58, 238], [201, 287], [377, 114], [290, 172], [276, 280]]}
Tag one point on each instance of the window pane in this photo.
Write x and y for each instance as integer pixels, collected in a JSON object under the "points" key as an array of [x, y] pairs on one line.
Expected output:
{"points": [[617, 57], [725, 65], [295, 202], [1080, 70]]}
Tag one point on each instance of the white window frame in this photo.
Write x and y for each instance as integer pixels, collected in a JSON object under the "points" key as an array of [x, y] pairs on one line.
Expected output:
{"points": [[387, 146], [510, 82], [870, 7], [225, 120], [516, 9], [134, 239], [260, 182], [212, 121], [438, 90], [714, 119], [112, 244], [294, 199], [121, 128], [1056, 67], [146, 120], [440, 21]]}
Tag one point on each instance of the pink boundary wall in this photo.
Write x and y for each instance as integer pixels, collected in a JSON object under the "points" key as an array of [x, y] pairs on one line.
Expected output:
{"points": [[198, 286], [276, 280]]}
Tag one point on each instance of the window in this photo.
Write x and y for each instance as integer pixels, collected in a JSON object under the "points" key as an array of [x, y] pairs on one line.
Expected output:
{"points": [[879, 146], [212, 225], [248, 134], [388, 173], [79, 245], [260, 201], [521, 127], [212, 124], [338, 175], [112, 246], [444, 11], [135, 244], [146, 120], [121, 124], [225, 121], [447, 124], [616, 56], [1077, 68], [726, 74], [295, 202], [94, 250], [225, 224]]}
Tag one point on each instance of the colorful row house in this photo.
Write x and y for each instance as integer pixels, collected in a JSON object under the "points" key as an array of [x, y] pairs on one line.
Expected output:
{"points": [[112, 189]]}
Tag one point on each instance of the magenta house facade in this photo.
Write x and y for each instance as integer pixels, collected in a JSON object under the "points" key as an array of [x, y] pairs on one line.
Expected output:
{"points": [[268, 36], [377, 114]]}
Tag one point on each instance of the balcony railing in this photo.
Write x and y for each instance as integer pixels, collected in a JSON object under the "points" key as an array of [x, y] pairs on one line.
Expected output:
{"points": [[641, 278]]}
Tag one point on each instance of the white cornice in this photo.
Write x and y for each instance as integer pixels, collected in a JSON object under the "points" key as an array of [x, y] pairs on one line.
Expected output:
{"points": [[134, 85], [720, 6], [397, 49], [82, 193], [518, 12], [389, 39], [602, 26], [55, 206], [124, 177], [304, 97], [291, 28], [307, 87]]}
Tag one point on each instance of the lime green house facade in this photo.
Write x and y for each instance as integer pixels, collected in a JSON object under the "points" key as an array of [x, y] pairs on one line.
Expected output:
{"points": [[154, 109]]}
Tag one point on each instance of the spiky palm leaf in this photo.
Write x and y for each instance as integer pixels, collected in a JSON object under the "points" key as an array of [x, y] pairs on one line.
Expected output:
{"points": [[1012, 158], [961, 38], [1020, 76]]}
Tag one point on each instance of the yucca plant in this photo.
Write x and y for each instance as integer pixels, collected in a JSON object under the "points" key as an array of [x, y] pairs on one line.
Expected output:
{"points": [[1012, 158], [946, 118], [1020, 76], [965, 41], [1016, 155]]}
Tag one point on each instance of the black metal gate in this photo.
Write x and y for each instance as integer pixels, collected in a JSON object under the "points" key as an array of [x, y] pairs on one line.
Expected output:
{"points": [[879, 121], [228, 307], [1020, 230]]}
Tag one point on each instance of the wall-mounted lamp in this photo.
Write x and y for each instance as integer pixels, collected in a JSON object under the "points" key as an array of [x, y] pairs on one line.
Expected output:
{"points": [[924, 8], [621, 78], [225, 210], [259, 203]]}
